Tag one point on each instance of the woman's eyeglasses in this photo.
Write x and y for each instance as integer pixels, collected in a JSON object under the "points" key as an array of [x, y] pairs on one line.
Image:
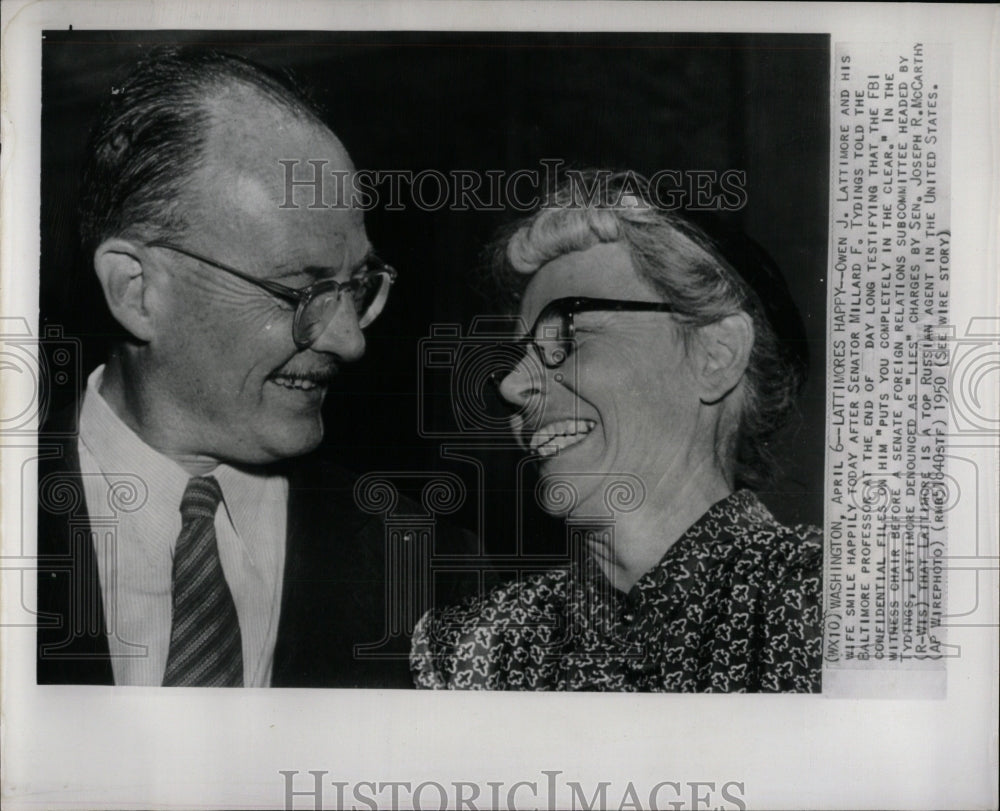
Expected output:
{"points": [[554, 330], [316, 305]]}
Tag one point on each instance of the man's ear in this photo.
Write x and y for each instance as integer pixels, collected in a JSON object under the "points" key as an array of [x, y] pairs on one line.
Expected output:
{"points": [[722, 352], [121, 274]]}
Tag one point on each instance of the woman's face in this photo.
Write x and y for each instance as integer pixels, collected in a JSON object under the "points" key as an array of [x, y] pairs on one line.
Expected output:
{"points": [[624, 402]]}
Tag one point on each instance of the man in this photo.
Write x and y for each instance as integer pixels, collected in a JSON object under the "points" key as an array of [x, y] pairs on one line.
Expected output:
{"points": [[194, 553]]}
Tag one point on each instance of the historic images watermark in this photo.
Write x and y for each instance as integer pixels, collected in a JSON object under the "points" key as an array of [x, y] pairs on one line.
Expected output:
{"points": [[313, 184], [316, 789]]}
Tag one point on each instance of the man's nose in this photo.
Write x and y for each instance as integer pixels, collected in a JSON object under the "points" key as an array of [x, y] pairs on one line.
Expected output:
{"points": [[342, 336], [523, 383]]}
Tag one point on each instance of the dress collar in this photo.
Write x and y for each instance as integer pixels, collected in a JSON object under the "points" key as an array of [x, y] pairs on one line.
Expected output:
{"points": [[718, 526]]}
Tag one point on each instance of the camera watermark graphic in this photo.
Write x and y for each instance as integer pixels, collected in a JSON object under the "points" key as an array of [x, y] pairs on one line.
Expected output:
{"points": [[969, 361], [52, 365], [416, 570], [411, 543], [77, 533], [89, 541], [902, 509], [548, 789], [460, 376], [313, 184]]}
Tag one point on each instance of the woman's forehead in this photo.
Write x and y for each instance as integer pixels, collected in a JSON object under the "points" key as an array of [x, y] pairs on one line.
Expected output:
{"points": [[604, 270]]}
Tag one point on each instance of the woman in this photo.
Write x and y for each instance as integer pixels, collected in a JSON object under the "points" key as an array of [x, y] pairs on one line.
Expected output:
{"points": [[660, 363]]}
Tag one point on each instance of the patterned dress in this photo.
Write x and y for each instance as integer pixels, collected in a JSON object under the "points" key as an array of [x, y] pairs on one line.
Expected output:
{"points": [[733, 606]]}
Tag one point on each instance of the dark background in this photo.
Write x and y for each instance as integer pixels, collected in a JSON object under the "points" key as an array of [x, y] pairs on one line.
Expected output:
{"points": [[432, 100]]}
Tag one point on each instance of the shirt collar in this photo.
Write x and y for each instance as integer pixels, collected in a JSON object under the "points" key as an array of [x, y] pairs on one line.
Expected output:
{"points": [[117, 449]]}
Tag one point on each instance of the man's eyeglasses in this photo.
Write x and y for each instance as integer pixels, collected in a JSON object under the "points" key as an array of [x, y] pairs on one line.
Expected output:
{"points": [[554, 330], [317, 304]]}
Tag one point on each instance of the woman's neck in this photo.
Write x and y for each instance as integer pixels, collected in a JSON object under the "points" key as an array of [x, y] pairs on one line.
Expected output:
{"points": [[640, 539]]}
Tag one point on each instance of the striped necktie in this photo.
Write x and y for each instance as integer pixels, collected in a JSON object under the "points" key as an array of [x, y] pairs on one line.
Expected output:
{"points": [[205, 646]]}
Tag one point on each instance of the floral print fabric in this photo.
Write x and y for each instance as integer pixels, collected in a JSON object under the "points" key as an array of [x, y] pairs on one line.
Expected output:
{"points": [[733, 606]]}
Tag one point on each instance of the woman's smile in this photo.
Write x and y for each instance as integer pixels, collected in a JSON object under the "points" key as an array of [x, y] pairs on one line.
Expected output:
{"points": [[559, 435]]}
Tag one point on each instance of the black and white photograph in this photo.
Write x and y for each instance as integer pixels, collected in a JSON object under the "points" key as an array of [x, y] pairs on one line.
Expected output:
{"points": [[447, 383], [415, 158]]}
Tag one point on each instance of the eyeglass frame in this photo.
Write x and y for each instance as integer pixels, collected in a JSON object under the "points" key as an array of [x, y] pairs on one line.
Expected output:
{"points": [[300, 297], [568, 308]]}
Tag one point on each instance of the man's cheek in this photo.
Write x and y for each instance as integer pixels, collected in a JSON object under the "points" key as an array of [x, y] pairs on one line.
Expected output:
{"points": [[262, 319]]}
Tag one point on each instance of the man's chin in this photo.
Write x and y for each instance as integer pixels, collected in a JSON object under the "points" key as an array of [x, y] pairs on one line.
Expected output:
{"points": [[288, 440]]}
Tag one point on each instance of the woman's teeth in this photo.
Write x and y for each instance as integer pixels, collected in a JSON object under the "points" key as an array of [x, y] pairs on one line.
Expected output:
{"points": [[557, 436]]}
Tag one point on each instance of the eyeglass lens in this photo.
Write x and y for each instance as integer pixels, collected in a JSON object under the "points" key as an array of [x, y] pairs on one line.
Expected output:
{"points": [[551, 338], [553, 335], [368, 295]]}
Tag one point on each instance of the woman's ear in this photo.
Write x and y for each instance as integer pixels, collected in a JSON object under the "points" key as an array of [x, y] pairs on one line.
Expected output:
{"points": [[722, 351], [121, 275]]}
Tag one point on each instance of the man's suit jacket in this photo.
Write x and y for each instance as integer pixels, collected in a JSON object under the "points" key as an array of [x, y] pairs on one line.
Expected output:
{"points": [[334, 595]]}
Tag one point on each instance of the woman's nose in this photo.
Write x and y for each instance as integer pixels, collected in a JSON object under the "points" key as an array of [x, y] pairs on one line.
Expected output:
{"points": [[523, 383]]}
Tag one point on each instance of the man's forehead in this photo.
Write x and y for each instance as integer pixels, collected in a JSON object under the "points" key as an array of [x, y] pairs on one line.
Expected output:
{"points": [[235, 207], [250, 150], [245, 127], [236, 198]]}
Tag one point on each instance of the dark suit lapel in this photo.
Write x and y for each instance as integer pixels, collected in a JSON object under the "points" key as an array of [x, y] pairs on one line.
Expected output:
{"points": [[334, 589], [295, 564], [71, 633], [321, 520]]}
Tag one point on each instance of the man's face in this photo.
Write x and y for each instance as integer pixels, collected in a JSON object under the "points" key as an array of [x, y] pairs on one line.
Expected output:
{"points": [[223, 374]]}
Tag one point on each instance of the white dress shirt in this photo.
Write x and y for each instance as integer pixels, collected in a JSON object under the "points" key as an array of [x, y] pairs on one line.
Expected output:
{"points": [[133, 498]]}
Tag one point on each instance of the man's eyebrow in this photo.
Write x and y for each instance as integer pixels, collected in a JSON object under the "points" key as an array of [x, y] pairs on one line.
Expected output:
{"points": [[316, 272], [364, 261], [319, 272]]}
